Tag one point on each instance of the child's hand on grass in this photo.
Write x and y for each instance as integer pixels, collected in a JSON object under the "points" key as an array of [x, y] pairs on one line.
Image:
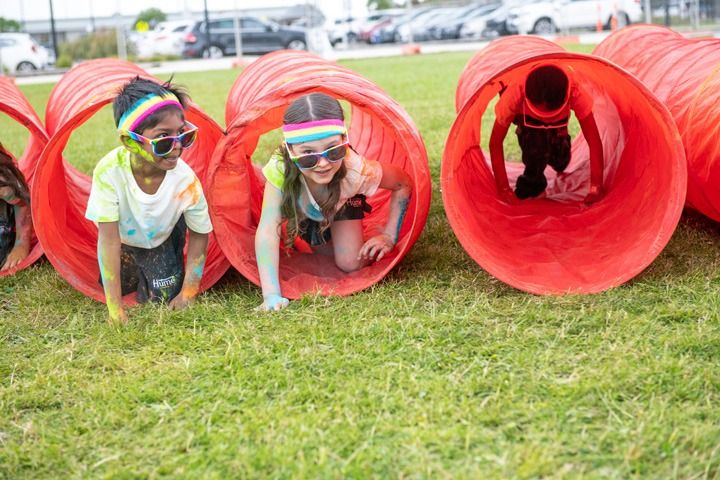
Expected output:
{"points": [[118, 317], [272, 303], [16, 255], [181, 302], [376, 247]]}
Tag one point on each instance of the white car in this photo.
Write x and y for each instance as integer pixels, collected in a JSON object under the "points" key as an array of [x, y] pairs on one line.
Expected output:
{"points": [[167, 38], [343, 29], [549, 16], [475, 28], [19, 52]]}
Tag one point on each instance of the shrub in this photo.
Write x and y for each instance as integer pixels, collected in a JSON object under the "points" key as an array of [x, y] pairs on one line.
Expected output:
{"points": [[95, 45]]}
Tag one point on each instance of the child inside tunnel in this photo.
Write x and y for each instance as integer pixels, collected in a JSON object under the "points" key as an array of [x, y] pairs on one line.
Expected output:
{"points": [[540, 108]]}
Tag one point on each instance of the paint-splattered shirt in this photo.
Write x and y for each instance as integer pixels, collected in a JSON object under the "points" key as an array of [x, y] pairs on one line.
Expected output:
{"points": [[145, 220], [362, 178]]}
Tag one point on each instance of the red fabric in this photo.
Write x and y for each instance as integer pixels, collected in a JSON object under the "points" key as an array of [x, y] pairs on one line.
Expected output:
{"points": [[685, 75], [556, 244], [379, 129], [60, 192], [15, 105]]}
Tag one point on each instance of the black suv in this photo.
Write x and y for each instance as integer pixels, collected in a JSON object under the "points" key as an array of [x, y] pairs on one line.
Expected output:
{"points": [[257, 37]]}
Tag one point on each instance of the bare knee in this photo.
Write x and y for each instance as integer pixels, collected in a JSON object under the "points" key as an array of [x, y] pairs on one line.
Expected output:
{"points": [[348, 264]]}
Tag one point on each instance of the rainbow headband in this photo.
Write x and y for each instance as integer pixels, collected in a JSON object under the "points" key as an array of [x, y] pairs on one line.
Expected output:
{"points": [[315, 130], [145, 107]]}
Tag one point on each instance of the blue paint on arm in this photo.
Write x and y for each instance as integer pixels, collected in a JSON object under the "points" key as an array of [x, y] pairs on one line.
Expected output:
{"points": [[403, 210]]}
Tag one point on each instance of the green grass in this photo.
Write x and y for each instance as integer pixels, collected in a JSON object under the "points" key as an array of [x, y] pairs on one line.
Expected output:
{"points": [[439, 371]]}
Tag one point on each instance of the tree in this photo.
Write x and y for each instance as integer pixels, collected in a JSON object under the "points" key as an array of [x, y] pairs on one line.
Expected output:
{"points": [[7, 25], [380, 4], [150, 17]]}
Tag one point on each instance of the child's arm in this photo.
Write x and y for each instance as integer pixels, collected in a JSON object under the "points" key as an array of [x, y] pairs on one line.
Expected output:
{"points": [[497, 161], [597, 161], [194, 265], [109, 261], [396, 180], [267, 250], [23, 235]]}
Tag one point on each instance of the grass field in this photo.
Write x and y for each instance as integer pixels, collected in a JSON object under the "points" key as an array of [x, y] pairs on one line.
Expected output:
{"points": [[439, 371]]}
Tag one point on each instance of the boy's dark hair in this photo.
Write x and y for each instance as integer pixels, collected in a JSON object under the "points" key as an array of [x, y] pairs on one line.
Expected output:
{"points": [[548, 86], [315, 106], [11, 176], [136, 89]]}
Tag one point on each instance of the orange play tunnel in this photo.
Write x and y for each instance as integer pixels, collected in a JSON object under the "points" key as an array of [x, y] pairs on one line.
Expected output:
{"points": [[685, 75], [60, 192], [557, 244], [379, 129], [15, 105]]}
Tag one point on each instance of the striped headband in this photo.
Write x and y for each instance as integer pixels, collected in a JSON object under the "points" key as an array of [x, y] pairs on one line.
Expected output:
{"points": [[143, 108], [315, 130]]}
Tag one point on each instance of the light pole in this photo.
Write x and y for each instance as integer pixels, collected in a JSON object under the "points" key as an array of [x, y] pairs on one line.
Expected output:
{"points": [[408, 7], [22, 16], [120, 33], [238, 33], [52, 30], [207, 28]]}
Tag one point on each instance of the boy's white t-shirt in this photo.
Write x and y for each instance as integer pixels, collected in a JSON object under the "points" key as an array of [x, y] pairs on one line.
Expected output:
{"points": [[145, 220]]}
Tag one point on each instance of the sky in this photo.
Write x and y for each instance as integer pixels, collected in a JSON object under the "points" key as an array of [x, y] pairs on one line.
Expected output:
{"points": [[40, 9]]}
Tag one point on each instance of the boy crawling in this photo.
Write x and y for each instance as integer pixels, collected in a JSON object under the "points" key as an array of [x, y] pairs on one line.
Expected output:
{"points": [[145, 198]]}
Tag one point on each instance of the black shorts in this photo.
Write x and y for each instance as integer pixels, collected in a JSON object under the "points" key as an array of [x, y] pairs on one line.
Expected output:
{"points": [[354, 209], [7, 230], [156, 274], [540, 147]]}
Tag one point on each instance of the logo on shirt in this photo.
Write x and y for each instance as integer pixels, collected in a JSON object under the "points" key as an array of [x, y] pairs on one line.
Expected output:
{"points": [[164, 282], [355, 202]]}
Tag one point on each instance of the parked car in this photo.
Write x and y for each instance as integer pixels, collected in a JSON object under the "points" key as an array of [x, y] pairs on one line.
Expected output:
{"points": [[453, 29], [21, 53], [167, 38], [374, 33], [258, 36], [496, 24], [345, 29], [426, 28], [452, 16], [549, 16], [487, 24], [376, 20], [400, 27]]}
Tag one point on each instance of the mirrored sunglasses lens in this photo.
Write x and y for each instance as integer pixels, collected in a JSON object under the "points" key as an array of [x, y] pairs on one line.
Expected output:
{"points": [[164, 146], [337, 153], [188, 138], [308, 161]]}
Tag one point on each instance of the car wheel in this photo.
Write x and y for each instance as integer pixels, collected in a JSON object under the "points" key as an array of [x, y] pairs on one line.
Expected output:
{"points": [[213, 51], [544, 26], [296, 45], [25, 67]]}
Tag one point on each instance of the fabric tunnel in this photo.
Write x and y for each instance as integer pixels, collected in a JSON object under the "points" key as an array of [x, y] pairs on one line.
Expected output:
{"points": [[556, 244], [14, 104], [685, 75], [60, 192], [378, 129]]}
